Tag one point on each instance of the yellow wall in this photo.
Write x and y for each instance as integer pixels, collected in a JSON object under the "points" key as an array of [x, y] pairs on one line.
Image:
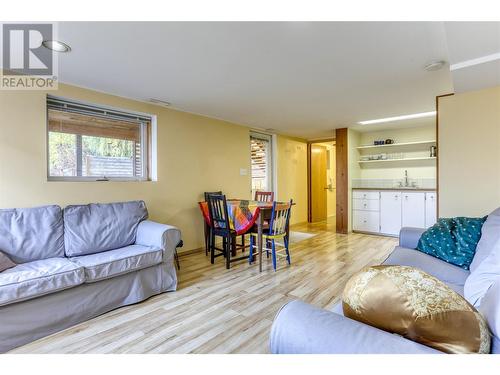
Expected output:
{"points": [[195, 154], [416, 169], [292, 175], [469, 153]]}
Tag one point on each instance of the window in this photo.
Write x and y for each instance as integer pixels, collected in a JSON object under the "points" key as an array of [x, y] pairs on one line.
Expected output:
{"points": [[87, 142], [261, 162]]}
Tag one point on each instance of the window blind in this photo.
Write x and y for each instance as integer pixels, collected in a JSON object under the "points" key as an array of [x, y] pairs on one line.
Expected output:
{"points": [[86, 141]]}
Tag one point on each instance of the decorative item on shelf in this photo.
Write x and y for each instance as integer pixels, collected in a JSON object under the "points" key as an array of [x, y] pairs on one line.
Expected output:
{"points": [[377, 143], [396, 155], [433, 151], [389, 141], [383, 156]]}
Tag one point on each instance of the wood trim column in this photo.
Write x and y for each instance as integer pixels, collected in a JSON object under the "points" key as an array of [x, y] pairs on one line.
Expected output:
{"points": [[437, 156], [309, 198], [342, 209]]}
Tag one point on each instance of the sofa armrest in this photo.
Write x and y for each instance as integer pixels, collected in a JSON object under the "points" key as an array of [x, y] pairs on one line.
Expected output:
{"points": [[490, 308], [300, 328], [408, 237], [166, 237]]}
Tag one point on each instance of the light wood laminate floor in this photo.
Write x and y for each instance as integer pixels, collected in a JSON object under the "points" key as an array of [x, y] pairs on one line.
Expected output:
{"points": [[216, 310]]}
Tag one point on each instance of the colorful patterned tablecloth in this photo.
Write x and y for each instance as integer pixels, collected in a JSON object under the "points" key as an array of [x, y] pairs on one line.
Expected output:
{"points": [[242, 213]]}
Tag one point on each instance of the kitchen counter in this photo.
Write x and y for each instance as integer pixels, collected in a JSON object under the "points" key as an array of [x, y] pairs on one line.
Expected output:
{"points": [[395, 189]]}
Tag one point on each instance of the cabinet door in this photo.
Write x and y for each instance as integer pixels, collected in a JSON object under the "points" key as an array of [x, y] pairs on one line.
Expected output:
{"points": [[365, 221], [413, 209], [390, 212], [430, 209]]}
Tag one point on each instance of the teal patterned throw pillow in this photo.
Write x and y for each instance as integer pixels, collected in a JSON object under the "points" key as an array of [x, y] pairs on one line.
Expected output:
{"points": [[453, 240]]}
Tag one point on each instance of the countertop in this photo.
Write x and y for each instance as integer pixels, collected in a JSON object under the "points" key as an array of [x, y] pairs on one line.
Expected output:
{"points": [[395, 189]]}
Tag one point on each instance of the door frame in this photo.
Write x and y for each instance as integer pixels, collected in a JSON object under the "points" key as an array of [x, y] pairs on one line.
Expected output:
{"points": [[309, 170]]}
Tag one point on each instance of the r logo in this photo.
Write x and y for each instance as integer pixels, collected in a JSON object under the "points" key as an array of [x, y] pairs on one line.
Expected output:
{"points": [[22, 50]]}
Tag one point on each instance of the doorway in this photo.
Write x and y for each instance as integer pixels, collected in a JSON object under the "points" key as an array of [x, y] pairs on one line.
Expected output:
{"points": [[322, 182], [261, 156]]}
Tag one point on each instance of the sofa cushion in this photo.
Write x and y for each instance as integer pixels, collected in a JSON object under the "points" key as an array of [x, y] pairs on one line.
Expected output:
{"points": [[111, 263], [483, 277], [94, 228], [451, 275], [28, 234], [453, 240], [38, 278], [409, 302], [490, 234]]}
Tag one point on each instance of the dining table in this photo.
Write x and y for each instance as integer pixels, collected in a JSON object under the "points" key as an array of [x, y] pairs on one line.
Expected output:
{"points": [[243, 215]]}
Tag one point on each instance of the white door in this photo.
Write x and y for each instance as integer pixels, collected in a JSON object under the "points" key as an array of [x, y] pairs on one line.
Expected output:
{"points": [[430, 209], [413, 209], [390, 212]]}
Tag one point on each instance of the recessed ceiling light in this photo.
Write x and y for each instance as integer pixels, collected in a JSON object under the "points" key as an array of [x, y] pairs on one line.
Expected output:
{"points": [[56, 45], [160, 102], [435, 65], [397, 118]]}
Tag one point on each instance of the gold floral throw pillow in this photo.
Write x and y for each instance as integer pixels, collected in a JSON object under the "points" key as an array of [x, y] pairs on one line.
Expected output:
{"points": [[413, 304]]}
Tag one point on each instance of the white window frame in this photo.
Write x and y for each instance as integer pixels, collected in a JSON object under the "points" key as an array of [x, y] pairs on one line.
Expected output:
{"points": [[152, 167]]}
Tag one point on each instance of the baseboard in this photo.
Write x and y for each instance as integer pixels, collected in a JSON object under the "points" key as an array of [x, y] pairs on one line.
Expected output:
{"points": [[192, 251]]}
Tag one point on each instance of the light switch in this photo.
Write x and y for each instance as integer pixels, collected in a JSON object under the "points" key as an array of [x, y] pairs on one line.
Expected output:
{"points": [[243, 172]]}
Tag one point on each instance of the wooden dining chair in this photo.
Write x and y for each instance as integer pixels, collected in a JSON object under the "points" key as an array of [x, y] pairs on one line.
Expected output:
{"points": [[219, 217], [207, 226], [242, 245], [278, 230], [264, 196]]}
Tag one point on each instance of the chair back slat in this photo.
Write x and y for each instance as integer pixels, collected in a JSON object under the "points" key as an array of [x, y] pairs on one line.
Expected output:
{"points": [[280, 217], [217, 210], [207, 193], [264, 196]]}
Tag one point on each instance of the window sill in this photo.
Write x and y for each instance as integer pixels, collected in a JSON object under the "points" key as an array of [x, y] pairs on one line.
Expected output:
{"points": [[96, 179]]}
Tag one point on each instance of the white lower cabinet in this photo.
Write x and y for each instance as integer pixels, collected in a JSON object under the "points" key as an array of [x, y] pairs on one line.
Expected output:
{"points": [[390, 212], [413, 209], [366, 221], [430, 209], [386, 211]]}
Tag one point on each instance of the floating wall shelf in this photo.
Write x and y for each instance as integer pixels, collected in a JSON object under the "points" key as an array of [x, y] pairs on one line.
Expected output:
{"points": [[397, 144], [392, 160]]}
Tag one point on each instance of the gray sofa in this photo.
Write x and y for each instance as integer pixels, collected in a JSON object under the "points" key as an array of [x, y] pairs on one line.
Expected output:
{"points": [[302, 328], [77, 263]]}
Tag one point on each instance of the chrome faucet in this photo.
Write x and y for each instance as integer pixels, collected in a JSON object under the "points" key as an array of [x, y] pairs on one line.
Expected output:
{"points": [[407, 183]]}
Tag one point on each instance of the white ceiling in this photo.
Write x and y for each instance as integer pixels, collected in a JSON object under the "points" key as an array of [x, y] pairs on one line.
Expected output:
{"points": [[471, 40], [299, 78]]}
